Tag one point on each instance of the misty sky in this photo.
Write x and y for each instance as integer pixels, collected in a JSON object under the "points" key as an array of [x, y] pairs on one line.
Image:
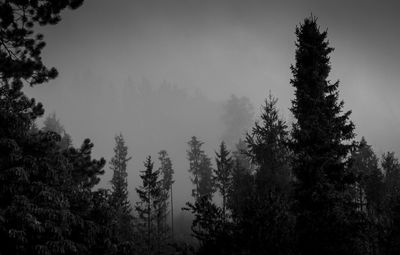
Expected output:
{"points": [[215, 48]]}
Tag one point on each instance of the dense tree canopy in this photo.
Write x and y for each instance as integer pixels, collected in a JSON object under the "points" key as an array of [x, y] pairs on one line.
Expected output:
{"points": [[306, 190]]}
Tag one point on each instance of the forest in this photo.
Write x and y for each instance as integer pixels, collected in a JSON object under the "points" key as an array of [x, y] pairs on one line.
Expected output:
{"points": [[299, 188]]}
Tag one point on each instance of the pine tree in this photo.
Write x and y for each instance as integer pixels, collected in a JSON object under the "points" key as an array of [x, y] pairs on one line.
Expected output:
{"points": [[167, 173], [391, 168], [200, 167], [267, 147], [206, 179], [322, 140], [150, 195], [21, 47], [119, 196], [240, 192], [270, 224], [46, 198], [369, 195], [209, 227], [223, 174], [369, 184], [194, 155]]}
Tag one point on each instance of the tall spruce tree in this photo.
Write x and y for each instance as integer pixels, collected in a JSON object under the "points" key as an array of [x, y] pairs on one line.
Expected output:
{"points": [[150, 195], [206, 179], [119, 195], [201, 169], [268, 148], [270, 226], [119, 181], [223, 174], [194, 155], [322, 140], [167, 180]]}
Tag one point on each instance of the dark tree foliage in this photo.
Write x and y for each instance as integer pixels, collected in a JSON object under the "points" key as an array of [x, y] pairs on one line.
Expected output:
{"points": [[20, 46], [150, 195], [223, 174], [46, 198], [270, 224], [119, 195], [119, 181], [201, 169], [267, 147], [47, 202], [369, 196], [240, 192], [167, 180], [210, 227], [391, 168], [369, 185], [194, 155], [206, 179], [322, 139]]}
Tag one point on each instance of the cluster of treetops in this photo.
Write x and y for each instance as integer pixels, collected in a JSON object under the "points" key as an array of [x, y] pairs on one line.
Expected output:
{"points": [[307, 189]]}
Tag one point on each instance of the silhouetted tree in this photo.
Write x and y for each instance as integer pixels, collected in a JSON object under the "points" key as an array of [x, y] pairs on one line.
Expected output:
{"points": [[119, 195], [369, 195], [322, 140], [391, 168], [271, 223], [206, 179], [150, 195], [223, 174], [369, 178], [46, 196], [200, 167], [167, 180], [21, 47], [194, 155], [209, 227]]}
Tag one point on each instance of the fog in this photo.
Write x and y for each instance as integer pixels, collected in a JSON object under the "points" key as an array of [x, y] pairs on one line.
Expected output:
{"points": [[163, 71]]}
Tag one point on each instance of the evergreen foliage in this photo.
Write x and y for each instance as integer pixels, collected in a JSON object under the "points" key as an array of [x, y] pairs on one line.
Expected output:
{"points": [[167, 173], [223, 174], [21, 47], [321, 143], [270, 226], [312, 190], [150, 195], [119, 181], [119, 191], [201, 169], [391, 168]]}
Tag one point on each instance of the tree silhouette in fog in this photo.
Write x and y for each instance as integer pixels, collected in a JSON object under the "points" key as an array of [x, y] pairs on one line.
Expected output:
{"points": [[321, 142]]}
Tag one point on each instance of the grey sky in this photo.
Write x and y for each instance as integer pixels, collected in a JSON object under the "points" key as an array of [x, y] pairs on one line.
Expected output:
{"points": [[218, 47]]}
